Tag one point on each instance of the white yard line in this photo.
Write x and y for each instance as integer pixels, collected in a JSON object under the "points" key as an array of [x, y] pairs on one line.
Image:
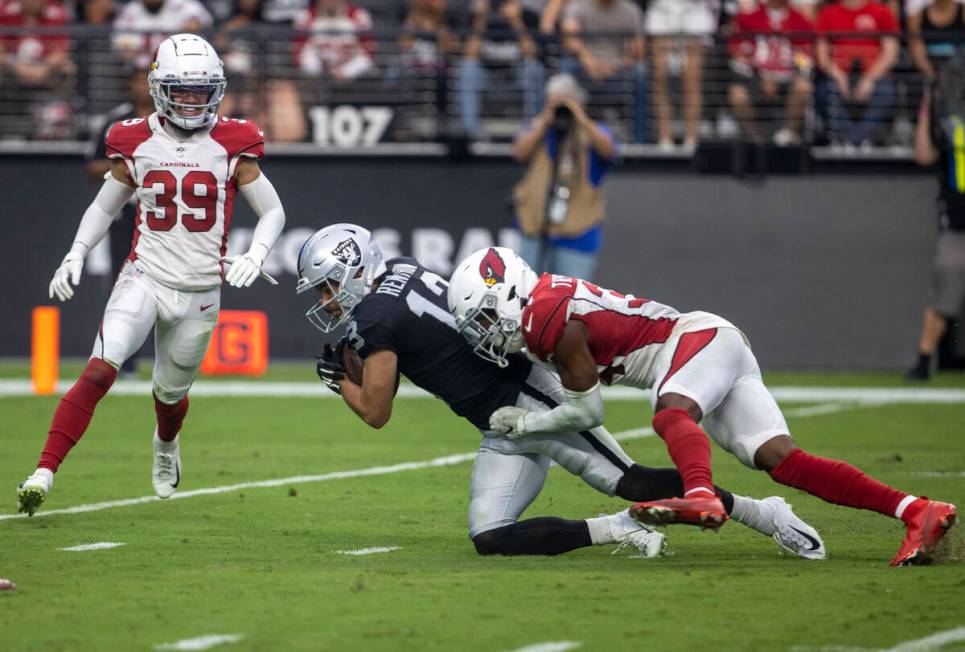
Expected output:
{"points": [[448, 460], [102, 545], [369, 551], [551, 646], [201, 642], [929, 395], [933, 642]]}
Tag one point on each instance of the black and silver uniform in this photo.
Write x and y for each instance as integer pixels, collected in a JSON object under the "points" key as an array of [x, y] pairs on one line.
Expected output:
{"points": [[407, 314]]}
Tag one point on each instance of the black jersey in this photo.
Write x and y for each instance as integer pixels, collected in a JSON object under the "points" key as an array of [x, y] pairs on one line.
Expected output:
{"points": [[949, 137], [408, 314]]}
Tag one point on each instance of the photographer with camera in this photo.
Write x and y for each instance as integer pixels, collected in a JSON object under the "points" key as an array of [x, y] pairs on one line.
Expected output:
{"points": [[560, 203], [940, 143]]}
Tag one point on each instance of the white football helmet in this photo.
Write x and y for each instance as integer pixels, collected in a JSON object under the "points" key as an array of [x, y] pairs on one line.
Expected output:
{"points": [[342, 260], [487, 293], [187, 62]]}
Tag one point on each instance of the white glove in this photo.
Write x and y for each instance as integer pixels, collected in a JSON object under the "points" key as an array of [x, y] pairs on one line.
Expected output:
{"points": [[244, 270], [68, 273], [510, 421]]}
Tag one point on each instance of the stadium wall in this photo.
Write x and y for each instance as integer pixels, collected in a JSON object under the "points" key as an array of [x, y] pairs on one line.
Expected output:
{"points": [[824, 271]]}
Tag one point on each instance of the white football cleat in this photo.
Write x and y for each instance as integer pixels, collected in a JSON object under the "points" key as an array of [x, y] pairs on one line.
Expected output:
{"points": [[794, 535], [166, 473], [628, 532], [33, 491]]}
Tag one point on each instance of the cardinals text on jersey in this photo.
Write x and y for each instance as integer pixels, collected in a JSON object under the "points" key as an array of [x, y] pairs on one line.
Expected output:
{"points": [[185, 194]]}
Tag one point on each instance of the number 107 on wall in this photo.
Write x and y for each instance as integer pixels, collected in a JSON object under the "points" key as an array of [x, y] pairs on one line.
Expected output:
{"points": [[349, 126]]}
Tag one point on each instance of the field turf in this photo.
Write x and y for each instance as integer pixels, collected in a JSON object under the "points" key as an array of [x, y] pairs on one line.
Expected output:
{"points": [[262, 564]]}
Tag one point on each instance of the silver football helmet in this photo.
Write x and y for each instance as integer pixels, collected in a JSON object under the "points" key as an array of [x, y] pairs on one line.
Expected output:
{"points": [[487, 293], [187, 64], [340, 263]]}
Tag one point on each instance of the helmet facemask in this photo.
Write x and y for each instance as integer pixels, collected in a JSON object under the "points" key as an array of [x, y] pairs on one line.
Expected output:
{"points": [[333, 293], [169, 96], [493, 337]]}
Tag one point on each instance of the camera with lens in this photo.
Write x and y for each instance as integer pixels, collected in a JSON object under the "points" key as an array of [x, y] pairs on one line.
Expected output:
{"points": [[562, 118]]}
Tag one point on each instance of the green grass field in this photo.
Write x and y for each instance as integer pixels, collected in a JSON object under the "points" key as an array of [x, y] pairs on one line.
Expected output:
{"points": [[262, 563]]}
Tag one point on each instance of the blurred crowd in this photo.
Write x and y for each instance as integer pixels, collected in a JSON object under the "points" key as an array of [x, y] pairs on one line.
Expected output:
{"points": [[848, 73]]}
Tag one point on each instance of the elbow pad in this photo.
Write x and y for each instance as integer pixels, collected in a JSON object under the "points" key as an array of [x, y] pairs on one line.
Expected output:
{"points": [[99, 215], [581, 411], [266, 204]]}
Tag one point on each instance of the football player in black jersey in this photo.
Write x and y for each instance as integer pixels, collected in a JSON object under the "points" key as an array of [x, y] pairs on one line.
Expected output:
{"points": [[397, 319]]}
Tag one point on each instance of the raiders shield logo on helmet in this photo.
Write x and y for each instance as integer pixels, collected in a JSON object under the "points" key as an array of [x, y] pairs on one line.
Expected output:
{"points": [[492, 268], [348, 252]]}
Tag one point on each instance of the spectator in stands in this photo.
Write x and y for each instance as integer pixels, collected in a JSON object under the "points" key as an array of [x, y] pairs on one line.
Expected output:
{"points": [[807, 7], [37, 71], [426, 42], [95, 12], [499, 41], [283, 12], [858, 68], [551, 15], [337, 45], [121, 234], [943, 24], [255, 90], [606, 37], [142, 24], [768, 67], [560, 203], [689, 22], [940, 144]]}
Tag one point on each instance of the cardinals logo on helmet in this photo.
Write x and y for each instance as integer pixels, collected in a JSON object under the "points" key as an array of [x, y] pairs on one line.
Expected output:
{"points": [[348, 252], [492, 268]]}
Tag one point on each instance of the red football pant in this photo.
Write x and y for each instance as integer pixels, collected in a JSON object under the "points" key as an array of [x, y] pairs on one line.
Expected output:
{"points": [[688, 446], [170, 418], [836, 482], [74, 412]]}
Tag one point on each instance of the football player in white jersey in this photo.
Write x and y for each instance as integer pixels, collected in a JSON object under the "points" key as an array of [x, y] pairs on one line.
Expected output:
{"points": [[184, 164], [700, 369]]}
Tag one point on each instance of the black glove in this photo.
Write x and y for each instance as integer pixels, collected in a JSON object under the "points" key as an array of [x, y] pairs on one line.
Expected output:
{"points": [[329, 368]]}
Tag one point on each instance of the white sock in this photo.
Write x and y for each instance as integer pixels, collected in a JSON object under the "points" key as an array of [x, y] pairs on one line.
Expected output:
{"points": [[599, 530], [907, 500], [165, 446], [611, 527], [45, 472], [753, 513]]}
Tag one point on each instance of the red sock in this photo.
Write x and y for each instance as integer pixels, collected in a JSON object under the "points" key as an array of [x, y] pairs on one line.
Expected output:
{"points": [[836, 482], [75, 411], [688, 446], [170, 418]]}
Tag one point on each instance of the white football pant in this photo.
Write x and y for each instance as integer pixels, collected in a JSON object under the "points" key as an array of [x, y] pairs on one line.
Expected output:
{"points": [[183, 323], [725, 380], [508, 474]]}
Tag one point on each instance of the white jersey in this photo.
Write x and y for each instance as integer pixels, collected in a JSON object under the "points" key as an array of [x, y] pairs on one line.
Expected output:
{"points": [[627, 335], [185, 193]]}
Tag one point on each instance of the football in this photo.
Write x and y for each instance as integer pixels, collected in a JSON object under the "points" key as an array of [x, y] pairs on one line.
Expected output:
{"points": [[353, 365]]}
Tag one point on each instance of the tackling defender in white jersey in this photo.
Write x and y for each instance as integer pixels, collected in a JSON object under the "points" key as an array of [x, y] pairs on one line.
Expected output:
{"points": [[185, 165]]}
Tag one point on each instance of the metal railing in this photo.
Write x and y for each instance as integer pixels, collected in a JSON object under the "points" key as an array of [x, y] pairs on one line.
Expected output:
{"points": [[389, 88]]}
